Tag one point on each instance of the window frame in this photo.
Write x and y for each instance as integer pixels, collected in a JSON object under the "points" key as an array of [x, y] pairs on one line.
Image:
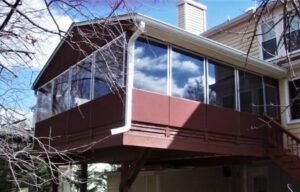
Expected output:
{"points": [[288, 32], [236, 83], [287, 100], [168, 45], [180, 49], [260, 40]]}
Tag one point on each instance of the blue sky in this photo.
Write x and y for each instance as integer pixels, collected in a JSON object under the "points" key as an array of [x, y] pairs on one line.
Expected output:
{"points": [[217, 10]]}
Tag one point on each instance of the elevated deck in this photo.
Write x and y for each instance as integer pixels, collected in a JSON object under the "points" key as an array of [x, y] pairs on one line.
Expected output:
{"points": [[162, 123]]}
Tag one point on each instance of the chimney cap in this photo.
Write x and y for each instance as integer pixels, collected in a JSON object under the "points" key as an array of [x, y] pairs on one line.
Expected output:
{"points": [[192, 2]]}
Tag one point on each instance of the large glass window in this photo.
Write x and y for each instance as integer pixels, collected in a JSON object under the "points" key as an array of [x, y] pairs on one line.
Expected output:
{"points": [[187, 76], [272, 98], [294, 33], [81, 82], [269, 43], [294, 99], [109, 67], [61, 93], [150, 68], [221, 85], [44, 102], [251, 93]]}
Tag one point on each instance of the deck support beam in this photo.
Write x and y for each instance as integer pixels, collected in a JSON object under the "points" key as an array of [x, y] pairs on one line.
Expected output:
{"points": [[53, 171], [130, 169], [83, 177]]}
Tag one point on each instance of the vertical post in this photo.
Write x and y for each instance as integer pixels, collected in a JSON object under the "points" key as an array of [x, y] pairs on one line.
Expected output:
{"points": [[53, 172], [83, 177], [124, 177], [55, 181]]}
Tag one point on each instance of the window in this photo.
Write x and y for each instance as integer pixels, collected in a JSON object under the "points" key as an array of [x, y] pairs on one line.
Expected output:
{"points": [[251, 93], [44, 102], [294, 33], [109, 67], [221, 85], [61, 93], [294, 99], [187, 76], [272, 98], [269, 43], [150, 68], [81, 82]]}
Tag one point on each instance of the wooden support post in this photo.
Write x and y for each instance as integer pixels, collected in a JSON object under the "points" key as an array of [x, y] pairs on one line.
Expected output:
{"points": [[83, 177], [54, 174], [130, 170], [55, 181]]}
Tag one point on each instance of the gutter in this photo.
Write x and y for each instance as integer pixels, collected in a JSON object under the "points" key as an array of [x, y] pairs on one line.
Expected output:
{"points": [[129, 80]]}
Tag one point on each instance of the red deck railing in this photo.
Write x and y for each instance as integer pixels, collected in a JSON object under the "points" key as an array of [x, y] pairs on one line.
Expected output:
{"points": [[280, 137]]}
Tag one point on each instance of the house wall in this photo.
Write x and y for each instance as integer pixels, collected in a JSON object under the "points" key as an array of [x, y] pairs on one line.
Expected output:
{"points": [[239, 37], [179, 180], [292, 125], [239, 34], [233, 178]]}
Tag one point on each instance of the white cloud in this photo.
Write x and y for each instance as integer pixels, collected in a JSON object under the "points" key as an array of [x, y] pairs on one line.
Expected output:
{"points": [[184, 65], [148, 82], [31, 38], [146, 63]]}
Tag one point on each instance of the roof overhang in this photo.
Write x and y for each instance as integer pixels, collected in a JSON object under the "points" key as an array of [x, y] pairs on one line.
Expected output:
{"points": [[247, 16], [199, 44], [209, 48]]}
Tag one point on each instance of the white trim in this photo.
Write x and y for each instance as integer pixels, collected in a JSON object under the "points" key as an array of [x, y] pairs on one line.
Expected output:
{"points": [[129, 82], [170, 71], [204, 21], [205, 81], [185, 16], [288, 114]]}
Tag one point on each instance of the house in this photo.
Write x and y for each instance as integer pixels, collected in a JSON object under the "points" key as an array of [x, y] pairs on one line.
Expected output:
{"points": [[269, 46], [167, 103]]}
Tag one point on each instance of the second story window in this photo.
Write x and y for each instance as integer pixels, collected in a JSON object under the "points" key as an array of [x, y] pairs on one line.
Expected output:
{"points": [[251, 93], [81, 83], [269, 44], [44, 95], [187, 76], [221, 85], [61, 92], [150, 69], [293, 35], [294, 99]]}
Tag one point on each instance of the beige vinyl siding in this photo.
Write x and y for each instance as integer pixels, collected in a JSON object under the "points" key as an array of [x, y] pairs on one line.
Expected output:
{"points": [[239, 37], [195, 22]]}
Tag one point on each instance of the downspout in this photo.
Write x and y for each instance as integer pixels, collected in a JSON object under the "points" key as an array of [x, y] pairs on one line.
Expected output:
{"points": [[129, 80]]}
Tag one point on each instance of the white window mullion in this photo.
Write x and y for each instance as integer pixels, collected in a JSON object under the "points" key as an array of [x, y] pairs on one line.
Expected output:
{"points": [[205, 79], [237, 90], [169, 75]]}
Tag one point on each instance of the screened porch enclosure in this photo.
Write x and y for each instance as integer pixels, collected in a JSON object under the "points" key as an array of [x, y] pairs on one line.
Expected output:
{"points": [[180, 100], [97, 75]]}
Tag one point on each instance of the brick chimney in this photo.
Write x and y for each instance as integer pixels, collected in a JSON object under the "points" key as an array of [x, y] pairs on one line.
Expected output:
{"points": [[191, 16]]}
